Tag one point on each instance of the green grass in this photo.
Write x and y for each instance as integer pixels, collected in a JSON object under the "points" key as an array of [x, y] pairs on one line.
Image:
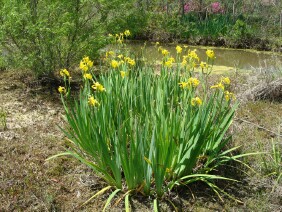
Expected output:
{"points": [[3, 119]]}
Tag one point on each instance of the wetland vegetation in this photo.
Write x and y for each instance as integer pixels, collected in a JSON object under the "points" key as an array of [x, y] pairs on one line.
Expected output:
{"points": [[154, 125]]}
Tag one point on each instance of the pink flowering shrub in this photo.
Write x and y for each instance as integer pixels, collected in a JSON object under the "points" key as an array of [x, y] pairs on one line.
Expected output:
{"points": [[190, 6], [187, 8], [216, 7]]}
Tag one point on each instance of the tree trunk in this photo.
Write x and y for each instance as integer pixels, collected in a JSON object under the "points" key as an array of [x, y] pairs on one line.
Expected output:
{"points": [[182, 7]]}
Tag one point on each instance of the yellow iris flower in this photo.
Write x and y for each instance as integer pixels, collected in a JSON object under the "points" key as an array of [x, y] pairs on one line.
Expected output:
{"points": [[219, 85], [64, 72], [168, 64], [196, 101], [229, 96], [123, 74], [193, 55], [93, 102], [204, 65], [178, 49], [165, 52], [193, 82], [127, 33], [62, 89], [183, 84], [210, 54], [225, 80], [114, 64], [97, 86], [87, 76]]}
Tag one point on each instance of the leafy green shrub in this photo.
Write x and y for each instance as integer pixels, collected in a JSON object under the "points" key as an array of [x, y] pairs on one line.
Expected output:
{"points": [[240, 29], [47, 35], [129, 19]]}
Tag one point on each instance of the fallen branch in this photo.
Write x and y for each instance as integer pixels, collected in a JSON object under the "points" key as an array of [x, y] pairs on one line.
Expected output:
{"points": [[259, 127]]}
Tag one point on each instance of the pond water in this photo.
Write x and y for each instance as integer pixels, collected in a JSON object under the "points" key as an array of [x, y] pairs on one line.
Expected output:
{"points": [[240, 59]]}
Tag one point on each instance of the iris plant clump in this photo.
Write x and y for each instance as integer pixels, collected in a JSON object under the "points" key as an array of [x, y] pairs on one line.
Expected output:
{"points": [[146, 132]]}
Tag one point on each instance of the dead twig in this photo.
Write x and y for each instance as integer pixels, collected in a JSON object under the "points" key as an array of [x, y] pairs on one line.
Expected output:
{"points": [[259, 127]]}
